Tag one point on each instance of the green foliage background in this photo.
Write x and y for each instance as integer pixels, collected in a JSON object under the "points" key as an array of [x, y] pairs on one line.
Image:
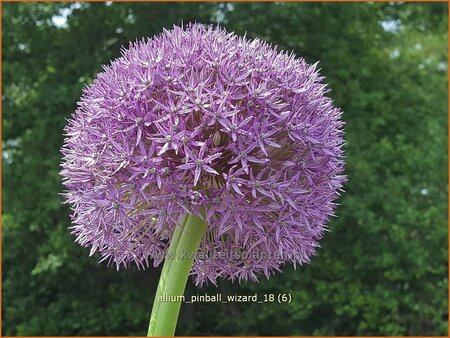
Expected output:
{"points": [[382, 270]]}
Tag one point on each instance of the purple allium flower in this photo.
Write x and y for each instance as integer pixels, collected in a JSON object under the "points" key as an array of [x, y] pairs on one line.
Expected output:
{"points": [[200, 118]]}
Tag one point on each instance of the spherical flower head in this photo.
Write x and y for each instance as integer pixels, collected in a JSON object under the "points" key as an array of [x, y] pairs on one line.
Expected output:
{"points": [[197, 120]]}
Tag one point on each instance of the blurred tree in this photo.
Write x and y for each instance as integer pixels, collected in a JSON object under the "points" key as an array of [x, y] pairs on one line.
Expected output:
{"points": [[382, 270]]}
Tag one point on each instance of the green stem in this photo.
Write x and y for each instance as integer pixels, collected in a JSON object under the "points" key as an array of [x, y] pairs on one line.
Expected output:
{"points": [[164, 272], [180, 256]]}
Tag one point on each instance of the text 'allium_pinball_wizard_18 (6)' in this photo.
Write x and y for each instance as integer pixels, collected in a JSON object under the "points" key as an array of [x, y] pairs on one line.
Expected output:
{"points": [[198, 118]]}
